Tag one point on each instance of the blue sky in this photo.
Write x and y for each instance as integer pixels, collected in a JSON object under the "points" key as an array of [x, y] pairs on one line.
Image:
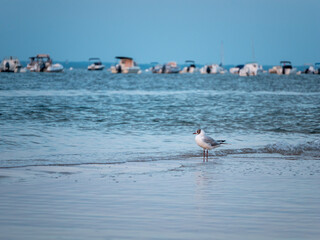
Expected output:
{"points": [[163, 30]]}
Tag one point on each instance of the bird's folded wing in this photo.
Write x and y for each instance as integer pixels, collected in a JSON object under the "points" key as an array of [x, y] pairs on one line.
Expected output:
{"points": [[210, 141]]}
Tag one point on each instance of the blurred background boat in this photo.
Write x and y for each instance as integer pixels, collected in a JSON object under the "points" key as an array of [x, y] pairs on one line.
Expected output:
{"points": [[95, 65], [43, 63], [317, 68], [190, 68], [309, 69], [10, 64], [155, 67], [212, 69], [125, 65], [171, 67], [236, 69], [285, 68], [250, 69]]}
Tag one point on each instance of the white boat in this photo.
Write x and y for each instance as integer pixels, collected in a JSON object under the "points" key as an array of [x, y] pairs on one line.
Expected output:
{"points": [[236, 69], [95, 65], [250, 69], [171, 67], [212, 69], [285, 68], [57, 67], [275, 70], [10, 64], [191, 68], [43, 63], [125, 65]]}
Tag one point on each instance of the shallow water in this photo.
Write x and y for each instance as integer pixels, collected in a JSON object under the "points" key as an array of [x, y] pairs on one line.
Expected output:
{"points": [[95, 117], [233, 197], [90, 155]]}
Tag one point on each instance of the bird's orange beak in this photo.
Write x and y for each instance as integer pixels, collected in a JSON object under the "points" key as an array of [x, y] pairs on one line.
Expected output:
{"points": [[195, 133]]}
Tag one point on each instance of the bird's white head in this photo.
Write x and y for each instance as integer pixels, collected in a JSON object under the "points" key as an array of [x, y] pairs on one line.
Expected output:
{"points": [[199, 131]]}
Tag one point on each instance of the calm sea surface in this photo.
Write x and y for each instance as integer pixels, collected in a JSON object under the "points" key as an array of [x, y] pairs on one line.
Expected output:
{"points": [[91, 155], [81, 117]]}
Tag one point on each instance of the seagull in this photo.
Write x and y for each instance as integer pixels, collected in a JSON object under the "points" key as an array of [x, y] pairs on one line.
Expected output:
{"points": [[206, 142]]}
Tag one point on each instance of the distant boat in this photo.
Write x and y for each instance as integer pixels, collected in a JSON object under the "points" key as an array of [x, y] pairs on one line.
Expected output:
{"points": [[215, 68], [125, 65], [43, 63], [236, 69], [317, 68], [156, 67], [191, 68], [250, 69], [212, 69], [95, 65], [170, 67], [10, 64], [310, 69], [285, 68]]}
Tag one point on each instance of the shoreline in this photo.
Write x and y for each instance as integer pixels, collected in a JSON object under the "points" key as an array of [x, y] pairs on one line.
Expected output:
{"points": [[231, 197]]}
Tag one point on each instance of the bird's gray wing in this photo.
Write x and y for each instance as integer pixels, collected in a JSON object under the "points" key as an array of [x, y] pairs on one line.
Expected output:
{"points": [[210, 141]]}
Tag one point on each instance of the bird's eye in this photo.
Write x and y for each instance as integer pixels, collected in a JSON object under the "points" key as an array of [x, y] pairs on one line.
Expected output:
{"points": [[198, 131]]}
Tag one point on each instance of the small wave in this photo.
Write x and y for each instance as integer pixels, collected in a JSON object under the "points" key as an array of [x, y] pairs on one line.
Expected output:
{"points": [[82, 92], [311, 148], [299, 149]]}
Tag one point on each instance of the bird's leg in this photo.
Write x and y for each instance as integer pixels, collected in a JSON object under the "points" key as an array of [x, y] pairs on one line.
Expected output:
{"points": [[204, 155], [207, 155]]}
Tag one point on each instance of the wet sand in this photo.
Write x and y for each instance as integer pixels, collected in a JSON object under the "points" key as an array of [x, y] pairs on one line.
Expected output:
{"points": [[249, 196]]}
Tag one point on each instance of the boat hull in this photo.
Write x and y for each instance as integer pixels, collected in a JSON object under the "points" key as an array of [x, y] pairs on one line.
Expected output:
{"points": [[95, 67]]}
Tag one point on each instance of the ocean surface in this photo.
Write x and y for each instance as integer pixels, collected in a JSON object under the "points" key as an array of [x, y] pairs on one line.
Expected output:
{"points": [[91, 155], [81, 117]]}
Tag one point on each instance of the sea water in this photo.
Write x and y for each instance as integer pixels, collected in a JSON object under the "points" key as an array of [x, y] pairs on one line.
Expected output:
{"points": [[91, 155], [79, 117]]}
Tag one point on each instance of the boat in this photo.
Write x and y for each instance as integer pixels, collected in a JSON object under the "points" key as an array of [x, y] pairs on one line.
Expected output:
{"points": [[212, 69], [236, 69], [309, 69], [190, 68], [285, 68], [57, 67], [250, 69], [125, 65], [156, 67], [10, 64], [170, 67], [275, 70], [32, 63], [43, 63], [95, 65], [317, 68]]}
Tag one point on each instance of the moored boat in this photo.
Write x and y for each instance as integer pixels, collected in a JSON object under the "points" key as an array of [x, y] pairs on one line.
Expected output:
{"points": [[250, 69], [212, 69], [43, 63], [190, 68], [96, 64], [156, 67], [10, 64], [309, 69], [236, 69], [285, 68], [125, 65], [171, 67], [317, 68]]}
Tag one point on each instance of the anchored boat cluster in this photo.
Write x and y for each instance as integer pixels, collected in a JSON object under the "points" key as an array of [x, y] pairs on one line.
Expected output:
{"points": [[43, 63]]}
